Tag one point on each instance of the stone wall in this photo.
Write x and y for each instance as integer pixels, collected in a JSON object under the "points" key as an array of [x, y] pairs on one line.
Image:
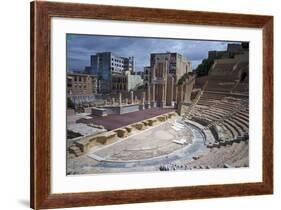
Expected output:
{"points": [[107, 110]]}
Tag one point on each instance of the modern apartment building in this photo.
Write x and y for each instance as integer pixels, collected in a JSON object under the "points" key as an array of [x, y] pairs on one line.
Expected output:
{"points": [[106, 64]]}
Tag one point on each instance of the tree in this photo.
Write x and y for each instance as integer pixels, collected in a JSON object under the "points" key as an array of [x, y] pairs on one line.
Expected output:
{"points": [[184, 77], [70, 103], [204, 68]]}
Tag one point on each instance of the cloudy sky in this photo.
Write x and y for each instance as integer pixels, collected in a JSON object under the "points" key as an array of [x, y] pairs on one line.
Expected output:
{"points": [[80, 47]]}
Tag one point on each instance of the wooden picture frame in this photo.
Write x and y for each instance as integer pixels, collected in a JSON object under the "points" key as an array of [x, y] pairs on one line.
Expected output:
{"points": [[41, 14]]}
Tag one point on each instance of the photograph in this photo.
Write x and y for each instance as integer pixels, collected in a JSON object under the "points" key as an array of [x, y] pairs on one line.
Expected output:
{"points": [[136, 104], [150, 104]]}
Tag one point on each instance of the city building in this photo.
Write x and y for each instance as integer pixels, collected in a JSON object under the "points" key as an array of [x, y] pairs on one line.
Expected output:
{"points": [[106, 64], [81, 87], [146, 76], [133, 82], [141, 73], [232, 50], [126, 82], [177, 65], [129, 64], [165, 71]]}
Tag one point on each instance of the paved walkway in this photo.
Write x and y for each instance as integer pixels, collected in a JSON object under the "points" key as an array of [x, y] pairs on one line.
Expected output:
{"points": [[84, 129]]}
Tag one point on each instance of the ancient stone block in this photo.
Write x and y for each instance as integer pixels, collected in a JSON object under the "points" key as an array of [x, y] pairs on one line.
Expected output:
{"points": [[107, 137], [129, 129], [122, 132], [138, 126], [152, 122], [161, 118], [145, 122], [75, 150]]}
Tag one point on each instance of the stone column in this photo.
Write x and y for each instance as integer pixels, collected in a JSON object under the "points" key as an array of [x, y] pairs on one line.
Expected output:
{"points": [[181, 93], [136, 99], [153, 104], [126, 101], [153, 92], [132, 97], [148, 93], [163, 100], [165, 91], [176, 94], [142, 104], [153, 71], [148, 97], [113, 101], [172, 91], [120, 99], [186, 92]]}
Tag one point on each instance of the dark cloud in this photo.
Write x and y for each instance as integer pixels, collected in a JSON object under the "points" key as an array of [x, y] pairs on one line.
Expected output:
{"points": [[81, 47]]}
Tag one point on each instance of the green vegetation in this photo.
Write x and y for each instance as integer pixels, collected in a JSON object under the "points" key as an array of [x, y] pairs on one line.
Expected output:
{"points": [[140, 87], [70, 104], [203, 68], [184, 77]]}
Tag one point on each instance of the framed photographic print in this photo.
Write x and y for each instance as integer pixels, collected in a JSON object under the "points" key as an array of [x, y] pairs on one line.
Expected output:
{"points": [[141, 105]]}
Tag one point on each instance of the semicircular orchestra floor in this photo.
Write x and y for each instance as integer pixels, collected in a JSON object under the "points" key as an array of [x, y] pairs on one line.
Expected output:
{"points": [[146, 150], [149, 144]]}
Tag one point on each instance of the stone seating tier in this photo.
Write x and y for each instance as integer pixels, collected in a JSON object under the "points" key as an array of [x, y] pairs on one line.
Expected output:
{"points": [[242, 121], [234, 125], [231, 111]]}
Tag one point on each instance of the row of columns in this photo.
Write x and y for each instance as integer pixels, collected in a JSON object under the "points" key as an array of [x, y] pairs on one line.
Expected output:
{"points": [[133, 100], [177, 93]]}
